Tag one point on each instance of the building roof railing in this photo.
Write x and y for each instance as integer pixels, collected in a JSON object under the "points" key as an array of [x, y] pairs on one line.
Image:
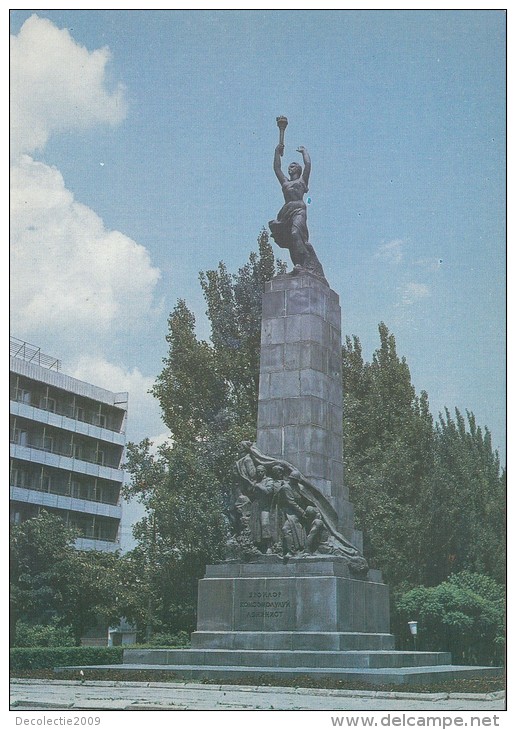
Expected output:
{"points": [[31, 353]]}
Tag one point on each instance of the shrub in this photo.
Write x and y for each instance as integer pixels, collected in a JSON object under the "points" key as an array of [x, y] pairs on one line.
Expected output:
{"points": [[49, 657], [39, 635], [463, 615]]}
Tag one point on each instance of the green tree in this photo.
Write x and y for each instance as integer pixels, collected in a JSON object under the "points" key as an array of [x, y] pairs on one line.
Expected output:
{"points": [[50, 634], [465, 502], [208, 393], [52, 583], [463, 615], [388, 455], [92, 594], [190, 389], [41, 555], [430, 498], [183, 529]]}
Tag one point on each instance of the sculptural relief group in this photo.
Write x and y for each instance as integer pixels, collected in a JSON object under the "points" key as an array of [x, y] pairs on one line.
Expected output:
{"points": [[277, 511]]}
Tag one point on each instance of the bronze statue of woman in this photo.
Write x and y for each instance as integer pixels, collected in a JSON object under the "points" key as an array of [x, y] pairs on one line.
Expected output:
{"points": [[289, 230]]}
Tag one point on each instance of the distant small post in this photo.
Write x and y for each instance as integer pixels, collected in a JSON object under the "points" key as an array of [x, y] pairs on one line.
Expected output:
{"points": [[413, 631]]}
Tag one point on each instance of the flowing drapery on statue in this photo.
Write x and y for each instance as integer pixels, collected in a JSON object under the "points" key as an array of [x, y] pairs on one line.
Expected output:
{"points": [[297, 517], [289, 229]]}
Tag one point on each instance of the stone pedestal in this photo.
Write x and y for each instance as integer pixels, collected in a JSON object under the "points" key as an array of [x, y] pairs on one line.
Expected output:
{"points": [[300, 396], [302, 595]]}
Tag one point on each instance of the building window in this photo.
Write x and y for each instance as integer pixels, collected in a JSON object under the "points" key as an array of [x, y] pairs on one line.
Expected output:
{"points": [[48, 404], [83, 490], [100, 420], [105, 530], [59, 486], [45, 483], [20, 478], [20, 437], [22, 396], [48, 443]]}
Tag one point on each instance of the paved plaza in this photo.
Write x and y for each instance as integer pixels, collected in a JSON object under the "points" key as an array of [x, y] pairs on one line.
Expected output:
{"points": [[105, 695]]}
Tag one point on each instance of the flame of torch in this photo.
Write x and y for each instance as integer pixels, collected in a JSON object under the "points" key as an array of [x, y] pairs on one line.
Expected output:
{"points": [[282, 125]]}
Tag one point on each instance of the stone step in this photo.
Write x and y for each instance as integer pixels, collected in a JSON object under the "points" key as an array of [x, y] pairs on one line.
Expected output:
{"points": [[281, 658], [292, 640], [412, 676]]}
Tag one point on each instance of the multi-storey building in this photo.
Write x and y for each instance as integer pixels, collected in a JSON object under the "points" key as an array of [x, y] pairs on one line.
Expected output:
{"points": [[67, 443]]}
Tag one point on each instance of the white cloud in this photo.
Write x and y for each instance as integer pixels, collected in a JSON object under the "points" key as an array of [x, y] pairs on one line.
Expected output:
{"points": [[392, 251], [143, 412], [69, 274], [68, 271], [56, 85], [414, 292]]}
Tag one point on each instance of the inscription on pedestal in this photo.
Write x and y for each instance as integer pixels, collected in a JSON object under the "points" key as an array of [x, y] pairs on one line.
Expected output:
{"points": [[266, 604], [298, 598]]}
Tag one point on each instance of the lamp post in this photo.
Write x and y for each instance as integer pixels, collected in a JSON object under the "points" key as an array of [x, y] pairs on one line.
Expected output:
{"points": [[413, 630]]}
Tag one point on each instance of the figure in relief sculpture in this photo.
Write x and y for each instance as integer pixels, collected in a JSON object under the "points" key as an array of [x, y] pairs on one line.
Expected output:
{"points": [[316, 534], [289, 514], [260, 524], [281, 512]]}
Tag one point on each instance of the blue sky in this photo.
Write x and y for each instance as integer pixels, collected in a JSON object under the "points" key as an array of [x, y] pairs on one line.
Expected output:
{"points": [[142, 147]]}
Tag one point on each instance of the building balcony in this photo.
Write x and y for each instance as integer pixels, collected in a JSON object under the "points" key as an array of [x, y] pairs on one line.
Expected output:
{"points": [[58, 501], [88, 543], [65, 423], [59, 461]]}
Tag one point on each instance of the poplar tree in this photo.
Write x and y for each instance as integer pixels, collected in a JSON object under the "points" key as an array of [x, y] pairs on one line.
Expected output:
{"points": [[465, 502], [388, 456]]}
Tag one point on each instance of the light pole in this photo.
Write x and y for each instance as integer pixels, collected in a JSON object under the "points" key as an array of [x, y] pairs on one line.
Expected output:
{"points": [[413, 631]]}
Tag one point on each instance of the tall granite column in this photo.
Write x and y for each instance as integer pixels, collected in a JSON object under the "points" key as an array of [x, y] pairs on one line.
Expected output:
{"points": [[300, 395]]}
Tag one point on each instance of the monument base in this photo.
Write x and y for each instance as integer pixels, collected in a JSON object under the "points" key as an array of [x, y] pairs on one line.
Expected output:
{"points": [[380, 668], [280, 619], [307, 594]]}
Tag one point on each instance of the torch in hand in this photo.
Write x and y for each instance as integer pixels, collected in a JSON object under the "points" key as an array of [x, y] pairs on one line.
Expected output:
{"points": [[282, 125]]}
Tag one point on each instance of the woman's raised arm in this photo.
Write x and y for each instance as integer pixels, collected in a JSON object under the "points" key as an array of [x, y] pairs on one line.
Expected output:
{"points": [[307, 164], [277, 163]]}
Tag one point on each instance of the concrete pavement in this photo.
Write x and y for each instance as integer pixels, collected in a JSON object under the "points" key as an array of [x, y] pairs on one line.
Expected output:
{"points": [[49, 695]]}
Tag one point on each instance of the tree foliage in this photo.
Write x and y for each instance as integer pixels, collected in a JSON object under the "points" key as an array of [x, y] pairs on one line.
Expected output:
{"points": [[388, 439], [463, 615], [50, 634], [430, 497], [41, 555], [53, 584], [208, 393], [183, 529], [465, 501]]}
